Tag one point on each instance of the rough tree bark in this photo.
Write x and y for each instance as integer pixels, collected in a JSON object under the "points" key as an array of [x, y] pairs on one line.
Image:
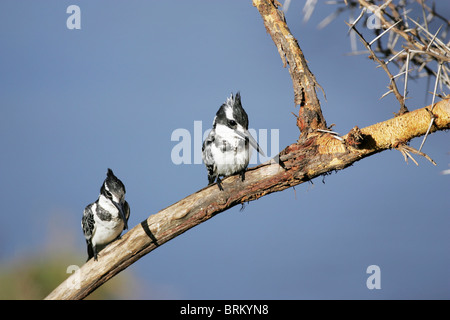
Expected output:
{"points": [[310, 115], [314, 154]]}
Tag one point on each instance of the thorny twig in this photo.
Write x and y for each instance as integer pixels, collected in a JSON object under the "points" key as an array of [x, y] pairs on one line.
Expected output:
{"points": [[392, 85], [432, 107], [407, 150], [410, 45]]}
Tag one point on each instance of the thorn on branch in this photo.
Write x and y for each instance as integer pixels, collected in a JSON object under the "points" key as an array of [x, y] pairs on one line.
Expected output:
{"points": [[407, 150], [432, 106], [333, 134]]}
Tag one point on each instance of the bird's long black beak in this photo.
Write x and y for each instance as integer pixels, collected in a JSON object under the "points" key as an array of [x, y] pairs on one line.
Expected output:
{"points": [[253, 143], [122, 214]]}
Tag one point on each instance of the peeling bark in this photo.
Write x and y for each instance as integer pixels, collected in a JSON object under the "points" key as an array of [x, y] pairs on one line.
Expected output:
{"points": [[303, 80]]}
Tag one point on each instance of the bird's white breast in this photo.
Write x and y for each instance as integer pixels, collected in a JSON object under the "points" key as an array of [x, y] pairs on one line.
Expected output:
{"points": [[106, 230], [236, 155]]}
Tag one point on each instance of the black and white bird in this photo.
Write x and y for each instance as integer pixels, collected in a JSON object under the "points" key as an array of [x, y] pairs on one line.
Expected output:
{"points": [[104, 220], [226, 150]]}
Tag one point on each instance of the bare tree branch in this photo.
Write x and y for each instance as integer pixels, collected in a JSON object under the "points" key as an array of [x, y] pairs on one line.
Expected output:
{"points": [[392, 85], [320, 151], [310, 115], [299, 162]]}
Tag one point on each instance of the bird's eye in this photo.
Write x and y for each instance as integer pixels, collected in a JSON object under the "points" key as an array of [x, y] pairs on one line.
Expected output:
{"points": [[232, 123], [108, 194]]}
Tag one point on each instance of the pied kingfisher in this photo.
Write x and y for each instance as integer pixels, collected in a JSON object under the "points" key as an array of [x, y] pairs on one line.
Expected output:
{"points": [[104, 220], [226, 150]]}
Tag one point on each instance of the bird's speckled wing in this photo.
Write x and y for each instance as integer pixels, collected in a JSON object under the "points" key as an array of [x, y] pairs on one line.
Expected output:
{"points": [[207, 155], [87, 222]]}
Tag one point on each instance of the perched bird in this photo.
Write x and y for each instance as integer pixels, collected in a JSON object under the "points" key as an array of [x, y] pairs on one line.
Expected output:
{"points": [[104, 220], [226, 150]]}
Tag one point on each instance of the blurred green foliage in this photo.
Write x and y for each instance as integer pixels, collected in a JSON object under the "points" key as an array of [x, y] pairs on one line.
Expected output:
{"points": [[35, 276]]}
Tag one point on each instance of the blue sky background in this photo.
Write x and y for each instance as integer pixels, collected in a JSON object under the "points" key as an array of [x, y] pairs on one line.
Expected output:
{"points": [[76, 102]]}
